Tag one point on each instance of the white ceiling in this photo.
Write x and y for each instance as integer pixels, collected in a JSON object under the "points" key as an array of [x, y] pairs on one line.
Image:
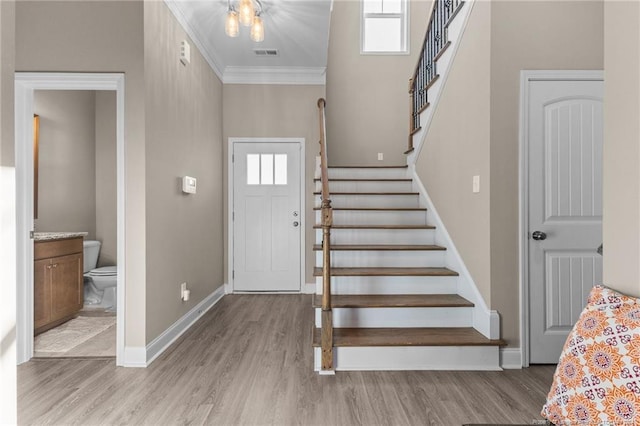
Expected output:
{"points": [[298, 29]]}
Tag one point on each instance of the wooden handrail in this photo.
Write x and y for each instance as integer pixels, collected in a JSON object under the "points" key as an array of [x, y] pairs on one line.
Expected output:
{"points": [[326, 340], [435, 42]]}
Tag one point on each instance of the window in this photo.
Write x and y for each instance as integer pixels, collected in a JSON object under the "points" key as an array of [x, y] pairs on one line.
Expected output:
{"points": [[266, 169], [384, 26]]}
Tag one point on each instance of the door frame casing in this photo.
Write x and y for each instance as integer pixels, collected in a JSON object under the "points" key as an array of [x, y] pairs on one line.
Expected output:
{"points": [[230, 188], [526, 77], [25, 85]]}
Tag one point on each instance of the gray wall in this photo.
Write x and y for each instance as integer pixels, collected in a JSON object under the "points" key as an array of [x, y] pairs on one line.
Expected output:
{"points": [[184, 137], [480, 134], [277, 111], [621, 216], [367, 95], [101, 36], [67, 161], [105, 177]]}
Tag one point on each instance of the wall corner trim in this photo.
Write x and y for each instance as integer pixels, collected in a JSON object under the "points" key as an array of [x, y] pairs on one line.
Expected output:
{"points": [[135, 356], [177, 329], [510, 358]]}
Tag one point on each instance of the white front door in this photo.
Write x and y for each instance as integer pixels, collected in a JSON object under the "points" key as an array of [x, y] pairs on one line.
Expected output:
{"points": [[565, 208], [266, 216]]}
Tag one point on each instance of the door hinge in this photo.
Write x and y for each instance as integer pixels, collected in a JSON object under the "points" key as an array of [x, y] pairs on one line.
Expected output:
{"points": [[233, 216], [233, 158], [32, 234], [233, 274]]}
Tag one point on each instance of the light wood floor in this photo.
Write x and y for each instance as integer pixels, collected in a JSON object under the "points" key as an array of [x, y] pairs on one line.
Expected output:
{"points": [[249, 361]]}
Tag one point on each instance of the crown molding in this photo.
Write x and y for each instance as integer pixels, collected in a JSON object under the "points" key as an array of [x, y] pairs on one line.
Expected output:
{"points": [[212, 59], [275, 75]]}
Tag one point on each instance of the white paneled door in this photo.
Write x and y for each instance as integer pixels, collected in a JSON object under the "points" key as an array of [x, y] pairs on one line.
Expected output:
{"points": [[565, 208], [266, 216]]}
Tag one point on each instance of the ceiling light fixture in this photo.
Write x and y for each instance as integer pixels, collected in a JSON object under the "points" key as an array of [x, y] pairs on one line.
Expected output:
{"points": [[247, 13]]}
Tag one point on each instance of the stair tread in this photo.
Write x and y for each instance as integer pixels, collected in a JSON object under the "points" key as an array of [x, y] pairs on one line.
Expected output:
{"points": [[369, 193], [368, 167], [382, 247], [388, 271], [365, 180], [436, 336], [394, 301], [377, 226], [408, 209]]}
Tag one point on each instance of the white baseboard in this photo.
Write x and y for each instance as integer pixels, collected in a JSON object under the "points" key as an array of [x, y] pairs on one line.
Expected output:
{"points": [[511, 358], [227, 288], [171, 334], [309, 288]]}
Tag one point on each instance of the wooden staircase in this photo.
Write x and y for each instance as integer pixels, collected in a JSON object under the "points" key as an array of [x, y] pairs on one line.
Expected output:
{"points": [[394, 300]]}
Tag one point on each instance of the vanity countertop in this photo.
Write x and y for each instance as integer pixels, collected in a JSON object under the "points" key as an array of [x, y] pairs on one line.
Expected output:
{"points": [[48, 236]]}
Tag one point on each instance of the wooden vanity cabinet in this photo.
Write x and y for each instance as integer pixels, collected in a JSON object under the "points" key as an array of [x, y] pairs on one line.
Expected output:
{"points": [[58, 289]]}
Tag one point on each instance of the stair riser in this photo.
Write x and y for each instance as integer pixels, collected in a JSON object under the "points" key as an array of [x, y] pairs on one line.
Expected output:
{"points": [[390, 285], [360, 186], [413, 358], [384, 258], [368, 173], [398, 317], [379, 201], [373, 217], [379, 236]]}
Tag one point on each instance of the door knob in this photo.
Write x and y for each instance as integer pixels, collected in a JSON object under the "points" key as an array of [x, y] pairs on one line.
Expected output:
{"points": [[539, 235], [295, 223]]}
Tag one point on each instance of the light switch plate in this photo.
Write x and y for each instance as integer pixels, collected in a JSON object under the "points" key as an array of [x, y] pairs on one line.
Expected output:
{"points": [[189, 185], [476, 184]]}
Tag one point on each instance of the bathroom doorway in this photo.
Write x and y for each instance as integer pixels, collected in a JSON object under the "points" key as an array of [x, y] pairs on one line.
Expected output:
{"points": [[100, 90], [75, 223]]}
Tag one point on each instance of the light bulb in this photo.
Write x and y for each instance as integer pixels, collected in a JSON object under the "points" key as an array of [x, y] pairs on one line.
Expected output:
{"points": [[232, 27], [257, 29], [246, 12]]}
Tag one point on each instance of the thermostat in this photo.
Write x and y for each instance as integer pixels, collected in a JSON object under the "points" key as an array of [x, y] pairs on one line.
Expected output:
{"points": [[189, 185]]}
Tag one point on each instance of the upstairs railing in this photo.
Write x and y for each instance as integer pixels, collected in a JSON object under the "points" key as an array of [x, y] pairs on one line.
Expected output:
{"points": [[326, 339], [435, 42]]}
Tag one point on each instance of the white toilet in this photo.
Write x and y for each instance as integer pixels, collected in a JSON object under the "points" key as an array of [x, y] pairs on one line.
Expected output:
{"points": [[99, 283]]}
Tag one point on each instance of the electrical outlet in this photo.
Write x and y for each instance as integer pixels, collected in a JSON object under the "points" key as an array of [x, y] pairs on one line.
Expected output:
{"points": [[380, 156], [183, 288]]}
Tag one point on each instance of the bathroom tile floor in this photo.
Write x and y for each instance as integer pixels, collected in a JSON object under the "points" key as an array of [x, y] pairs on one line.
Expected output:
{"points": [[102, 345]]}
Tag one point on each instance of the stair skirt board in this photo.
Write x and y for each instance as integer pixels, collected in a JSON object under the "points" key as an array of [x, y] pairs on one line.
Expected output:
{"points": [[345, 259], [398, 317], [390, 285], [379, 236], [367, 186], [376, 358]]}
